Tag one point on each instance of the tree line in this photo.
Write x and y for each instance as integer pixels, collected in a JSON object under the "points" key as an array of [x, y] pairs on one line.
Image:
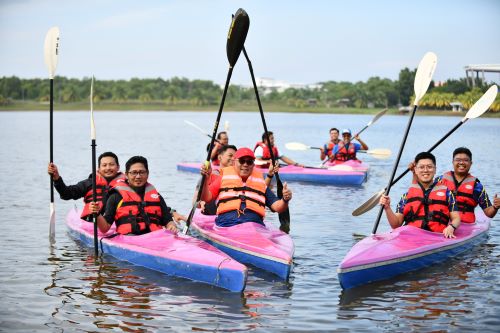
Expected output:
{"points": [[375, 92]]}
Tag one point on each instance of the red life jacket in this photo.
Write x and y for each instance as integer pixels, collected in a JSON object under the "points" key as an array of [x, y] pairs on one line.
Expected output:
{"points": [[344, 154], [429, 213], [464, 195], [266, 154], [102, 188], [135, 215]]}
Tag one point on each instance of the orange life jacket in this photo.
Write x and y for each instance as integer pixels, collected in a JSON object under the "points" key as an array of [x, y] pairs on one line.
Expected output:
{"points": [[102, 188], [233, 191], [135, 215], [266, 153], [464, 195], [344, 154], [429, 212]]}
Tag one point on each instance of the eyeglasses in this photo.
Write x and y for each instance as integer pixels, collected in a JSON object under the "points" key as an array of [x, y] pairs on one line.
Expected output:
{"points": [[425, 167], [461, 160], [246, 161], [137, 173]]}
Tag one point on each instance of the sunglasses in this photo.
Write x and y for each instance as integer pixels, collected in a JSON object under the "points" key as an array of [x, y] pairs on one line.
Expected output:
{"points": [[246, 161]]}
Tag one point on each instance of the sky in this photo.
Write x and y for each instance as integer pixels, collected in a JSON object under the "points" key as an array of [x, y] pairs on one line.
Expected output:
{"points": [[302, 42]]}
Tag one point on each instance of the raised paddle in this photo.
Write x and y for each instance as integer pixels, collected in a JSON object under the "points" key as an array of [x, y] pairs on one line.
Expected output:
{"points": [[235, 41], [93, 145], [480, 107], [284, 217], [51, 52], [380, 153], [199, 129], [423, 78], [371, 122]]}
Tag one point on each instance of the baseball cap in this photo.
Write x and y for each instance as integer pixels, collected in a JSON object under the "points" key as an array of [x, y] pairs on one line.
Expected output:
{"points": [[244, 152], [346, 130]]}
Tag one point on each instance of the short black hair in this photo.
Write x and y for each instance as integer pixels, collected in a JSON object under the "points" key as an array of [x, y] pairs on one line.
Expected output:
{"points": [[134, 160], [223, 149], [264, 136], [108, 154], [425, 156], [462, 150], [334, 129], [220, 134]]}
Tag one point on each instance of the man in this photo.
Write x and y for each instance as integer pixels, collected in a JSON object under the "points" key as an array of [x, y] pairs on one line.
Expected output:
{"points": [[107, 174], [467, 189], [346, 150], [328, 147], [241, 192], [134, 205], [222, 140], [428, 204], [263, 154]]}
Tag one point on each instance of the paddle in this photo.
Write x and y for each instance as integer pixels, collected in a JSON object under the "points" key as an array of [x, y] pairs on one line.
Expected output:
{"points": [[423, 78], [51, 51], [93, 145], [381, 153], [480, 107], [284, 217], [199, 129], [371, 122], [235, 41]]}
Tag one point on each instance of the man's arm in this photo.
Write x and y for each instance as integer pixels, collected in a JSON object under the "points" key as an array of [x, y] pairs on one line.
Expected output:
{"points": [[105, 221], [278, 205], [395, 219], [363, 144], [483, 200], [166, 216]]}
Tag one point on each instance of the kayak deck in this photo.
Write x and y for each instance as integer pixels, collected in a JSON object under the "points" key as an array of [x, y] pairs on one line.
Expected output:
{"points": [[164, 251]]}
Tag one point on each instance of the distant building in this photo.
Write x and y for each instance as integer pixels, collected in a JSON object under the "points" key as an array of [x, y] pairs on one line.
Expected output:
{"points": [[470, 70], [343, 102], [456, 107], [267, 85]]}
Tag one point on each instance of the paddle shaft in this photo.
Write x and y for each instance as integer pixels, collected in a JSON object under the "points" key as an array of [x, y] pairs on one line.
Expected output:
{"points": [[394, 169], [216, 126], [94, 197], [51, 137], [285, 216]]}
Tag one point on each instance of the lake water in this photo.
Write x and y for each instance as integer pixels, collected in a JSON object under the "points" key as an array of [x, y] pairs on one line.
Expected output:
{"points": [[63, 289]]}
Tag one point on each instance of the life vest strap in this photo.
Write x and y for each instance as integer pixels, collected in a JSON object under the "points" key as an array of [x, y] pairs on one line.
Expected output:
{"points": [[242, 188], [242, 198]]}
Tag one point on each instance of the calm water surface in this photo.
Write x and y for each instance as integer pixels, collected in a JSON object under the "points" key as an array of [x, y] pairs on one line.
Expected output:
{"points": [[63, 289]]}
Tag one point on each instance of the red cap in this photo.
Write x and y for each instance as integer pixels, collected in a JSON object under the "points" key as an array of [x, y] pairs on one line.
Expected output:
{"points": [[244, 152]]}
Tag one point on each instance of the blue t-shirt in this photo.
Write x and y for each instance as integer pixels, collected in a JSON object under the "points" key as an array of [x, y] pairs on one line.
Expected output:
{"points": [[234, 217]]}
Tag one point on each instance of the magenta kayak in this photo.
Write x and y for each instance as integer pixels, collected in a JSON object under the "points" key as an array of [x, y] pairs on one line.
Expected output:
{"points": [[351, 165], [164, 251], [265, 247], [406, 249], [303, 174]]}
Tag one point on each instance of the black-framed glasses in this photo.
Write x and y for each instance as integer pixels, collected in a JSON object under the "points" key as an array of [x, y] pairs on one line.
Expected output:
{"points": [[247, 161], [137, 173]]}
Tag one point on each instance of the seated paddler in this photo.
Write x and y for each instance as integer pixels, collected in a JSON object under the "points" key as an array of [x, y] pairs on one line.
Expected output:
{"points": [[241, 193], [428, 204], [134, 205]]}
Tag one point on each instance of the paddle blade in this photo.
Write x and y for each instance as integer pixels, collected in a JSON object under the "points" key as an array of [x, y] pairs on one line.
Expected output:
{"points": [[51, 50], [237, 35], [380, 153], [482, 105], [52, 222], [377, 117], [296, 146], [284, 217], [92, 125], [226, 127], [424, 74], [369, 204]]}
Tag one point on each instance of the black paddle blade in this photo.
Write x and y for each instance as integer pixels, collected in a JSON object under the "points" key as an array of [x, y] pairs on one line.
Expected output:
{"points": [[284, 217], [237, 35]]}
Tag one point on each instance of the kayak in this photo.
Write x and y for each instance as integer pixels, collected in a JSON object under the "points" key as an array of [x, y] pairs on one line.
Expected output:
{"points": [[164, 251], [302, 174], [264, 247], [406, 249], [351, 165]]}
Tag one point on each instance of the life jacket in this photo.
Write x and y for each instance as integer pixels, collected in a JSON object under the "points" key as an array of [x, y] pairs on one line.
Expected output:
{"points": [[464, 195], [102, 187], [429, 212], [233, 191], [344, 154], [329, 148], [266, 154], [135, 215]]}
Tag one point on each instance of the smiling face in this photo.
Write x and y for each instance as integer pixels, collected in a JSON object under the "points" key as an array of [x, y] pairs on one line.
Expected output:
{"points": [[334, 135], [223, 139], [462, 164], [137, 175], [108, 167], [346, 137], [425, 170], [227, 157], [244, 166]]}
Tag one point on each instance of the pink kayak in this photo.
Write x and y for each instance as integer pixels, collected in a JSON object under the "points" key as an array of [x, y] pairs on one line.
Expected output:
{"points": [[265, 247], [164, 251], [351, 165], [405, 249], [303, 174]]}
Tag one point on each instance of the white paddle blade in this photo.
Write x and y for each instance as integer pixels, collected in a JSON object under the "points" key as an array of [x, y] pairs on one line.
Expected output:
{"points": [[92, 124], [424, 74], [369, 204], [483, 104], [260, 162], [52, 222], [380, 153], [226, 126], [296, 146], [195, 126], [51, 50]]}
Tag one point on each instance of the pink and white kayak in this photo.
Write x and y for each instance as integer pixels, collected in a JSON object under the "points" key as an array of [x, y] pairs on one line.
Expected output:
{"points": [[336, 176], [406, 249], [164, 251], [351, 165], [265, 247]]}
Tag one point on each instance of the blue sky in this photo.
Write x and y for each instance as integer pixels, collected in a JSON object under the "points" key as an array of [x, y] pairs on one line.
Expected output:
{"points": [[295, 41]]}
